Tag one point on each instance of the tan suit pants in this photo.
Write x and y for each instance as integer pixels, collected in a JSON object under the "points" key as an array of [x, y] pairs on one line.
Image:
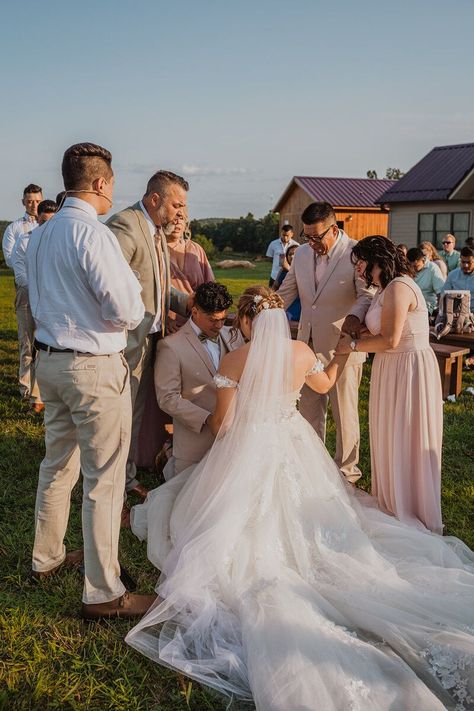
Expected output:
{"points": [[87, 421], [344, 398], [26, 334], [141, 380]]}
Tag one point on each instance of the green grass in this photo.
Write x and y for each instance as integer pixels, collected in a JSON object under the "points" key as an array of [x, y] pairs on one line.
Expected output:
{"points": [[49, 659]]}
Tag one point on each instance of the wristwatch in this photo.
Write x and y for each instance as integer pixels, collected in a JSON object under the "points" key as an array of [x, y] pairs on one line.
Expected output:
{"points": [[353, 345]]}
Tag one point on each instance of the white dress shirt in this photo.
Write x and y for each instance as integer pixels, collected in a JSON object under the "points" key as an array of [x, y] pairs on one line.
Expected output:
{"points": [[19, 227], [18, 259], [276, 250], [153, 228], [83, 294], [213, 349]]}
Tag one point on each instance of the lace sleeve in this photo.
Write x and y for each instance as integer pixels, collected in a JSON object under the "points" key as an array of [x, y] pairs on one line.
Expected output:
{"points": [[318, 367], [222, 381]]}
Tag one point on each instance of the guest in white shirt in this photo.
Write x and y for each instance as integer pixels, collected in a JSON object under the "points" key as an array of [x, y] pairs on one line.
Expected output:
{"points": [[32, 196], [141, 232], [83, 298], [26, 328], [277, 249]]}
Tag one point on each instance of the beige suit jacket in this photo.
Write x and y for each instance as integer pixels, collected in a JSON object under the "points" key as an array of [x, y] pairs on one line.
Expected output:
{"points": [[185, 388], [323, 309], [138, 247]]}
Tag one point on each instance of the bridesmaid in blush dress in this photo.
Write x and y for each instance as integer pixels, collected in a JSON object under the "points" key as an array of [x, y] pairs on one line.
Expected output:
{"points": [[405, 405]]}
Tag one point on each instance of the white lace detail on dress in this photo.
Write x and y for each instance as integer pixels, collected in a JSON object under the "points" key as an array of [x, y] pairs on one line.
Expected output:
{"points": [[447, 665], [222, 381], [318, 367]]}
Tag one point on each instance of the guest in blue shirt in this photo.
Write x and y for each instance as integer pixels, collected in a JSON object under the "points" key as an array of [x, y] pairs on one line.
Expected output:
{"points": [[463, 276], [427, 275]]}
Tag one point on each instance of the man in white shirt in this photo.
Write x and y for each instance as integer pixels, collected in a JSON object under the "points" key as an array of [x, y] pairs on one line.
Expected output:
{"points": [[140, 230], [26, 328], [32, 196], [184, 374], [277, 250], [83, 298]]}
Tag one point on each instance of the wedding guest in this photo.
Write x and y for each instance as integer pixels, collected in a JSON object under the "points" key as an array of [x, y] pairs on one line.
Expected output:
{"points": [[431, 253], [294, 310], [405, 404], [427, 275], [28, 385], [84, 296], [32, 196], [333, 298], [184, 370], [277, 249], [463, 277], [189, 265], [403, 248], [449, 254], [141, 231]]}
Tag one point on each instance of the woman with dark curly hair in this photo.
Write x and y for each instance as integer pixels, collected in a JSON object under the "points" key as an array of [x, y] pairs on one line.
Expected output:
{"points": [[405, 406]]}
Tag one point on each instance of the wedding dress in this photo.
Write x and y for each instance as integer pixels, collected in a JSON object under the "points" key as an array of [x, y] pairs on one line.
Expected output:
{"points": [[282, 587]]}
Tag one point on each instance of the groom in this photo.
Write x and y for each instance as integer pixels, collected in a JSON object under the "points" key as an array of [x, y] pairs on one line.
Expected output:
{"points": [[184, 369]]}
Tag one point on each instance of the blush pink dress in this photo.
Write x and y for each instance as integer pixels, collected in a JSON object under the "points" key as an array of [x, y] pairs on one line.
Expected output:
{"points": [[406, 419]]}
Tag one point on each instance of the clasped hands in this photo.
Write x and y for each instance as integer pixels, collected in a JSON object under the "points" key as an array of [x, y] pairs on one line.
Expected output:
{"points": [[351, 330]]}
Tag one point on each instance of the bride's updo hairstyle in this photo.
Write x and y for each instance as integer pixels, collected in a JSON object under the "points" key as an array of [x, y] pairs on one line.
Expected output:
{"points": [[254, 300]]}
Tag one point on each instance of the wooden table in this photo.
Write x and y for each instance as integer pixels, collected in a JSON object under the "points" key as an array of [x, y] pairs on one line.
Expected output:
{"points": [[463, 340], [449, 359]]}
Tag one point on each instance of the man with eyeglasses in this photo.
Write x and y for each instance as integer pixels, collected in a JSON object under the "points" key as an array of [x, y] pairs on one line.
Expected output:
{"points": [[333, 299], [450, 255]]}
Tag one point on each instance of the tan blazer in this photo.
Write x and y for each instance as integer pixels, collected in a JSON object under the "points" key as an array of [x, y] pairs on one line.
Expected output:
{"points": [[185, 388], [138, 247], [323, 310]]}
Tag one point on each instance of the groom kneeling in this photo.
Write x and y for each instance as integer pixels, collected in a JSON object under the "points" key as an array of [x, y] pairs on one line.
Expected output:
{"points": [[184, 370]]}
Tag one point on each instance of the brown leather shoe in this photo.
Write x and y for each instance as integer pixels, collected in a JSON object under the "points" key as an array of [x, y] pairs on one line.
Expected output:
{"points": [[73, 559], [129, 605], [139, 490]]}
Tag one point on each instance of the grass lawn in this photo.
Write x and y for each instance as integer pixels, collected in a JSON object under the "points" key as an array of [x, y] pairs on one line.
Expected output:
{"points": [[49, 659]]}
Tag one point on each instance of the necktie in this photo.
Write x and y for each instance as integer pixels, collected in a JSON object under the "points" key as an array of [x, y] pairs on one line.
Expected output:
{"points": [[202, 337], [161, 269]]}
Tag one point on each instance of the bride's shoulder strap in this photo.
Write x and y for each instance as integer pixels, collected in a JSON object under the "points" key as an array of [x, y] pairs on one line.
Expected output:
{"points": [[222, 381]]}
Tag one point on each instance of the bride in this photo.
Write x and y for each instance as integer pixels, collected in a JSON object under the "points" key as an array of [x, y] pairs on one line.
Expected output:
{"points": [[280, 584]]}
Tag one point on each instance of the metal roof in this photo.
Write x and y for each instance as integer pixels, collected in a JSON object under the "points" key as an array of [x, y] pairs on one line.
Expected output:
{"points": [[340, 192], [435, 177]]}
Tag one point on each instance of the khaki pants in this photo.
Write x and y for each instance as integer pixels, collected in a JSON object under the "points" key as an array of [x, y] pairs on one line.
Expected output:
{"points": [[26, 333], [344, 398], [141, 380], [87, 421]]}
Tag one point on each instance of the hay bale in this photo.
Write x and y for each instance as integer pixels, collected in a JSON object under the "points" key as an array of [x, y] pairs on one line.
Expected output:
{"points": [[235, 264]]}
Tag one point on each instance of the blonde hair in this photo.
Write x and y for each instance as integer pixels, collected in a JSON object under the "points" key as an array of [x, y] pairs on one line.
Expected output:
{"points": [[431, 249], [253, 300]]}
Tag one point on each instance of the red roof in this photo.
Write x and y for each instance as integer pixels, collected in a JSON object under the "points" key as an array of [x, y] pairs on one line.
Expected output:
{"points": [[340, 192]]}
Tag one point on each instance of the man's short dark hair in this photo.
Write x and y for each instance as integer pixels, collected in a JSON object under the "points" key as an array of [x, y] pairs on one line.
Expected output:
{"points": [[60, 198], [83, 163], [414, 254], [47, 206], [32, 188], [212, 297], [162, 179], [318, 212], [287, 228], [467, 252]]}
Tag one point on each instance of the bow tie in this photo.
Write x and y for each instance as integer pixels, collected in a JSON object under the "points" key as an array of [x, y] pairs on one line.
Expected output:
{"points": [[202, 337]]}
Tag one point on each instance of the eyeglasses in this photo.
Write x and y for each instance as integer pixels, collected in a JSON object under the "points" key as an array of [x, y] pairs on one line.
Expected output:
{"points": [[315, 238], [448, 242]]}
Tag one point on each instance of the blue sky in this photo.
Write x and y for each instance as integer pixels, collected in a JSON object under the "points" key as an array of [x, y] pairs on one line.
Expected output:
{"points": [[238, 96]]}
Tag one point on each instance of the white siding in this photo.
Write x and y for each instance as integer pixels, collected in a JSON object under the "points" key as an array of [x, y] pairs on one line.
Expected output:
{"points": [[403, 223]]}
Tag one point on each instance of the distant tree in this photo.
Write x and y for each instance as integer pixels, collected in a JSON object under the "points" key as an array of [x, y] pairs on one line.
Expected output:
{"points": [[372, 174], [207, 245], [242, 234], [394, 173]]}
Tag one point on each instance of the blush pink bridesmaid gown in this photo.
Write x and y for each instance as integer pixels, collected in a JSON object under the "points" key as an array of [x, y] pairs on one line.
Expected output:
{"points": [[406, 419]]}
